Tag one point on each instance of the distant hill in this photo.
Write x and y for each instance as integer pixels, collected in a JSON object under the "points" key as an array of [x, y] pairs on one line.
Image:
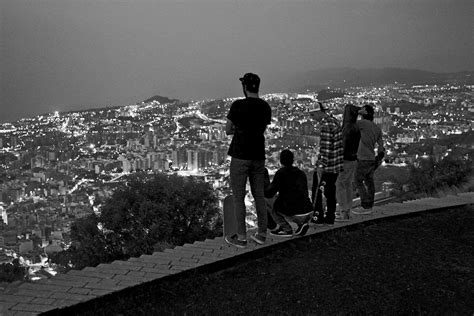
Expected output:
{"points": [[160, 99], [345, 77]]}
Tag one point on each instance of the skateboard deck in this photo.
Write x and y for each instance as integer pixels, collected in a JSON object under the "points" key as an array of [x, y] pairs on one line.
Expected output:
{"points": [[230, 225], [319, 188]]}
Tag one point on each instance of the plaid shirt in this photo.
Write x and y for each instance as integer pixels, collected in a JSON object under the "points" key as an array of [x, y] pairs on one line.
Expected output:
{"points": [[331, 152]]}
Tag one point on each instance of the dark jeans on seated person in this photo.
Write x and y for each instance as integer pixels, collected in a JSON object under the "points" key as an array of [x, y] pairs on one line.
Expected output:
{"points": [[281, 216]]}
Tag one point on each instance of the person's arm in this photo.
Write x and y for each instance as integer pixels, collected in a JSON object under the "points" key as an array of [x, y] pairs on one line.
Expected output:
{"points": [[229, 127], [380, 148], [272, 188]]}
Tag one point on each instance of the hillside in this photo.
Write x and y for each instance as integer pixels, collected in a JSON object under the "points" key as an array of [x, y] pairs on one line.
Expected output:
{"points": [[345, 77], [160, 99]]}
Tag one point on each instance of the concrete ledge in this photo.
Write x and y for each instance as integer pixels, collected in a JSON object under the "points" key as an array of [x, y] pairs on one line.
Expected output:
{"points": [[77, 290]]}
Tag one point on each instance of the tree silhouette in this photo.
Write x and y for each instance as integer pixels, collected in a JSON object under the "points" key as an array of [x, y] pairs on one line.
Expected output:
{"points": [[165, 209], [10, 272]]}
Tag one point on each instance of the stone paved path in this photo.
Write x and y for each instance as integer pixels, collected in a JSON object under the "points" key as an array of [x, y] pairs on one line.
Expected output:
{"points": [[33, 298]]}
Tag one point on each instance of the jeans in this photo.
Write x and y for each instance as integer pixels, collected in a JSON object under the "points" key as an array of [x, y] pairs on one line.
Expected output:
{"points": [[330, 194], [281, 218], [254, 170], [344, 182], [365, 182]]}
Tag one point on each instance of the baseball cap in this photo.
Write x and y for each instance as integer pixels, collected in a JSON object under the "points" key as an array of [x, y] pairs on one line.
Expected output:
{"points": [[250, 80], [316, 108]]}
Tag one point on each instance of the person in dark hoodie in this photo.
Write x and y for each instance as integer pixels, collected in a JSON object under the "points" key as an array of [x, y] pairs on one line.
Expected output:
{"points": [[293, 200], [350, 144]]}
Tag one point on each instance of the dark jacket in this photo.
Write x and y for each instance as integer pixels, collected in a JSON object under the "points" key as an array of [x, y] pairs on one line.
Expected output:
{"points": [[292, 187], [350, 132]]}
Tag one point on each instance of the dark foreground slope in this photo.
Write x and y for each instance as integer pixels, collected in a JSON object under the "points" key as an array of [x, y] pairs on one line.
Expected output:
{"points": [[417, 265]]}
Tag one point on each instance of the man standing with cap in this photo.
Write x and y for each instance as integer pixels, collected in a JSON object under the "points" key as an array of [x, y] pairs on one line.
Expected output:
{"points": [[247, 121], [330, 162]]}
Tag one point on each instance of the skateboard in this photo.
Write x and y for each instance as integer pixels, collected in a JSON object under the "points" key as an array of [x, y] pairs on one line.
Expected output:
{"points": [[319, 188], [230, 225]]}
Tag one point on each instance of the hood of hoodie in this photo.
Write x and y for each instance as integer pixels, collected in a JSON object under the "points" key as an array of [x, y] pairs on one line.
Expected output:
{"points": [[350, 114]]}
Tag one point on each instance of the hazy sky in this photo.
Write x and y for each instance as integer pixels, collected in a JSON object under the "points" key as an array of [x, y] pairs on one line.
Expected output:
{"points": [[79, 54]]}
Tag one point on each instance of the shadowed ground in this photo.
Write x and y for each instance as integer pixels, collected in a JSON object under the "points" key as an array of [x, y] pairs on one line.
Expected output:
{"points": [[417, 265]]}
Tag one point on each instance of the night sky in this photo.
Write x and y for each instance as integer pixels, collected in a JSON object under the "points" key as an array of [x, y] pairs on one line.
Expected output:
{"points": [[80, 54]]}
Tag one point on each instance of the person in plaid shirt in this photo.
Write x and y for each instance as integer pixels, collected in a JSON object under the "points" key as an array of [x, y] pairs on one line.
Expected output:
{"points": [[329, 165]]}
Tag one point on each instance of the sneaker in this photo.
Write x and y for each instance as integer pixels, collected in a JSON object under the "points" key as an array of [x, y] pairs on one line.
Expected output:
{"points": [[272, 227], [346, 216], [316, 220], [281, 233], [338, 215], [302, 229], [259, 239], [329, 222], [235, 241], [343, 216], [275, 229]]}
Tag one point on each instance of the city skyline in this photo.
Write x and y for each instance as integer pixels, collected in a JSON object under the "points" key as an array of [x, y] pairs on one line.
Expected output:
{"points": [[75, 55]]}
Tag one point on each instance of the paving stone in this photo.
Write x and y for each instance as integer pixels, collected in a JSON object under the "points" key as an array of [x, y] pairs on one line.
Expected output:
{"points": [[9, 298], [110, 282], [19, 313], [72, 277], [28, 307], [132, 266], [172, 253], [112, 269], [101, 274], [44, 287], [31, 293], [42, 300], [162, 269], [101, 292], [63, 303], [70, 296], [129, 283], [101, 286], [178, 268], [189, 252], [205, 260], [66, 283], [153, 276], [202, 244], [6, 305], [77, 290], [199, 246], [120, 277], [156, 258], [226, 255], [190, 260], [187, 265], [136, 273], [209, 254]]}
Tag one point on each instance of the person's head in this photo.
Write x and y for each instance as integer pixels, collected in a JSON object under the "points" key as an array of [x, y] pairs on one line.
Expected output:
{"points": [[318, 112], [367, 112], [286, 158], [250, 83]]}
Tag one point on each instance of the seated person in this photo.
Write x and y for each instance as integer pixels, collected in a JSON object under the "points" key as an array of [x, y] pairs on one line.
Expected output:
{"points": [[293, 202]]}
